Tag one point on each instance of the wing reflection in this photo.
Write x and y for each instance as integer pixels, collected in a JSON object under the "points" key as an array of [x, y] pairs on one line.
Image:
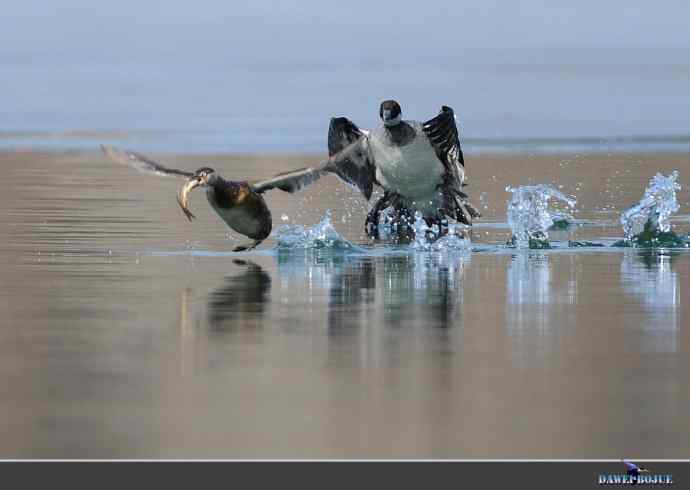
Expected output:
{"points": [[422, 288]]}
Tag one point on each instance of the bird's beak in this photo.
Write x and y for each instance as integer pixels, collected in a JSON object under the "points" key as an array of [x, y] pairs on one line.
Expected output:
{"points": [[183, 196], [389, 119]]}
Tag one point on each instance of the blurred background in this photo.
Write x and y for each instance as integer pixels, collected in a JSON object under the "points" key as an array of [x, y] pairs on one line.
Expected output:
{"points": [[218, 76]]}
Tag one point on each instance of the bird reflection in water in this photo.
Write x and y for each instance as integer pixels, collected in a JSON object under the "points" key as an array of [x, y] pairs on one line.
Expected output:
{"points": [[403, 290], [242, 299]]}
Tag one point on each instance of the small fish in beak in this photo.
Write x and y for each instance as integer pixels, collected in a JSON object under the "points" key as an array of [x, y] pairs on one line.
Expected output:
{"points": [[183, 196]]}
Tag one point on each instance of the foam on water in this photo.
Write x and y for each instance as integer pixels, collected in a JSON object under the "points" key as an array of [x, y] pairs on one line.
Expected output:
{"points": [[530, 214], [655, 208]]}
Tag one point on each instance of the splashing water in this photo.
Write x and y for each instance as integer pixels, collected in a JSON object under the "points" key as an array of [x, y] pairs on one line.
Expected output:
{"points": [[426, 237], [654, 211], [530, 217], [321, 235]]}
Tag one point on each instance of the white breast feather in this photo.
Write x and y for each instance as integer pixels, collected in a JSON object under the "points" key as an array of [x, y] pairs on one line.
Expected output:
{"points": [[412, 170]]}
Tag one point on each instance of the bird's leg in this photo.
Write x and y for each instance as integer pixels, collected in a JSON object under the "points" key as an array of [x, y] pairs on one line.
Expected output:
{"points": [[441, 224], [371, 225], [247, 246], [436, 227], [403, 223]]}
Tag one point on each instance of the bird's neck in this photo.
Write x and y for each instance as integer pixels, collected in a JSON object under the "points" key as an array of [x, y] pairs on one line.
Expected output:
{"points": [[401, 133], [218, 185], [217, 181]]}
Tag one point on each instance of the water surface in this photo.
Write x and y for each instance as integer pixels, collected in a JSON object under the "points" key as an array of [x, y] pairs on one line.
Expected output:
{"points": [[128, 332]]}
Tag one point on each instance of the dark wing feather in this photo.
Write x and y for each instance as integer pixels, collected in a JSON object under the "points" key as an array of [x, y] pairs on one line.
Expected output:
{"points": [[349, 155], [292, 181], [443, 136], [457, 204], [445, 139], [142, 163], [348, 160]]}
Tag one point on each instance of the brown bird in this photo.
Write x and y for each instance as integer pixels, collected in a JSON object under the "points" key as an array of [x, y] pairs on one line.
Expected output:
{"points": [[239, 204]]}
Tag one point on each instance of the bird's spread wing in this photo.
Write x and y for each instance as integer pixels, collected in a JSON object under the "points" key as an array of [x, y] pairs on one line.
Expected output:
{"points": [[348, 160], [142, 163], [349, 155], [630, 466], [292, 181], [445, 139], [443, 136]]}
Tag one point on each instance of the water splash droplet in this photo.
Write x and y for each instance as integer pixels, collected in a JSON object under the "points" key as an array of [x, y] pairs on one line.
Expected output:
{"points": [[321, 235], [427, 238], [529, 214], [655, 208]]}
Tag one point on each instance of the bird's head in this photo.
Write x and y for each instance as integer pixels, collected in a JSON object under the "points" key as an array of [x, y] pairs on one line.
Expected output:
{"points": [[390, 113], [203, 176]]}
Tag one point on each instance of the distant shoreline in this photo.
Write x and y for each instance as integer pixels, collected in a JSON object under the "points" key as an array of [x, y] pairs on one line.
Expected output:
{"points": [[173, 142], [470, 152]]}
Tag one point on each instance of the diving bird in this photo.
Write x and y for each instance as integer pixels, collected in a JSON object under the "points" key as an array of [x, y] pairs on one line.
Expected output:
{"points": [[239, 204], [419, 165]]}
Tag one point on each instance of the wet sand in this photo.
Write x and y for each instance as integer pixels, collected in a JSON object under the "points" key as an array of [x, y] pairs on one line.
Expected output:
{"points": [[127, 331]]}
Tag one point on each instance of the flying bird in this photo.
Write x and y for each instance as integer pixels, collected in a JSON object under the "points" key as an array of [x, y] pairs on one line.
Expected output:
{"points": [[239, 204]]}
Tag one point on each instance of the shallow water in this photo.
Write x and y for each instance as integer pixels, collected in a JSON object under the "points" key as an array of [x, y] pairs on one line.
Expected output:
{"points": [[129, 332]]}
